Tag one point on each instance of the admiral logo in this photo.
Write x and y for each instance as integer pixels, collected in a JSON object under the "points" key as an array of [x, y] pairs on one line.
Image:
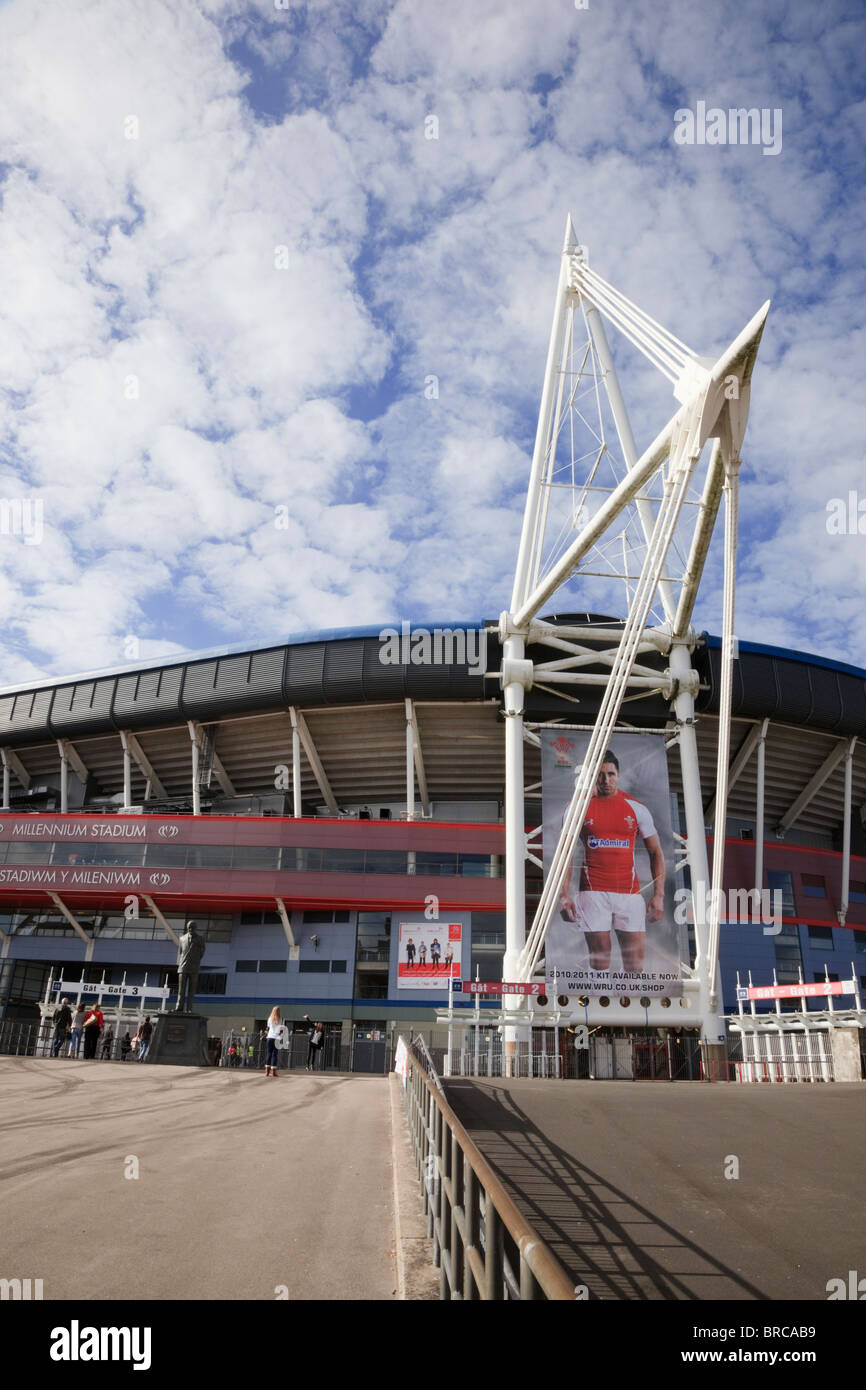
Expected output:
{"points": [[597, 842], [167, 832]]}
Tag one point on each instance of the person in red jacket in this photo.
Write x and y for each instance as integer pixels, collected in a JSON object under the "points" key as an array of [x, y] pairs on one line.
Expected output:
{"points": [[93, 1026]]}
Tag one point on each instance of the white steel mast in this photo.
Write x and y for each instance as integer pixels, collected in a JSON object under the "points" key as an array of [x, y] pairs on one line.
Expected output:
{"points": [[643, 520]]}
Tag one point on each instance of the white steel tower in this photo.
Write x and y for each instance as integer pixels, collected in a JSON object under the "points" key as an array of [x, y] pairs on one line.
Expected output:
{"points": [[598, 511]]}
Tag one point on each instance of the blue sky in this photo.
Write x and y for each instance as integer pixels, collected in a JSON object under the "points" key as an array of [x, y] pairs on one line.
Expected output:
{"points": [[232, 258]]}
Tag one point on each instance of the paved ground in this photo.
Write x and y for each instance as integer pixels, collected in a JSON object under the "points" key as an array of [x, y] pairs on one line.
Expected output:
{"points": [[627, 1182], [245, 1183]]}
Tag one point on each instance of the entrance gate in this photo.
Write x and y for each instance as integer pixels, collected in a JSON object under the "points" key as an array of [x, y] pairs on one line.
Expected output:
{"points": [[651, 1061], [368, 1052]]}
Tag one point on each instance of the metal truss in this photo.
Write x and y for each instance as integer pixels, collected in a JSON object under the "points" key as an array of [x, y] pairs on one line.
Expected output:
{"points": [[600, 514]]}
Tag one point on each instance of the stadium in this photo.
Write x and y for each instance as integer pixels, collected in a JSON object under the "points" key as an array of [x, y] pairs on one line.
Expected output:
{"points": [[301, 801], [375, 828]]}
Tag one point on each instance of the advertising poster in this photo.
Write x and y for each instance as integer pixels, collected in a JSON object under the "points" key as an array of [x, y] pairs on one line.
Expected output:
{"points": [[613, 931], [428, 953]]}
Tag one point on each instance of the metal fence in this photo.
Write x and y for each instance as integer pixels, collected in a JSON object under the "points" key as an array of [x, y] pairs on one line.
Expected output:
{"points": [[31, 1039], [783, 1056], [239, 1050], [599, 1057], [484, 1248], [242, 1050]]}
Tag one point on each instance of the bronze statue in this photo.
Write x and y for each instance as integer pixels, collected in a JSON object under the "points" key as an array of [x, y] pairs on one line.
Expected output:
{"points": [[190, 952]]}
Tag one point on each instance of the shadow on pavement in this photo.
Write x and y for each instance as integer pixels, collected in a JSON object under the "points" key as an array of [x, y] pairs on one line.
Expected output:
{"points": [[604, 1238]]}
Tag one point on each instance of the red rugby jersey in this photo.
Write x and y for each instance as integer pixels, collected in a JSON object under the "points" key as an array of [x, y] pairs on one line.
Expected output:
{"points": [[609, 834]]}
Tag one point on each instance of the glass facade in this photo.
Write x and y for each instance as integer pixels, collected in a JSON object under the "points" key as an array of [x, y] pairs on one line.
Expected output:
{"points": [[285, 859]]}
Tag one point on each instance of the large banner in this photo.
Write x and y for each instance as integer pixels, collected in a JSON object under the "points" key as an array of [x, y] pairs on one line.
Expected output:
{"points": [[613, 930], [427, 953]]}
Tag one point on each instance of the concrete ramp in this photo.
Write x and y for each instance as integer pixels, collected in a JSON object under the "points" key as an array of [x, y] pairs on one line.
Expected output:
{"points": [[685, 1191], [135, 1182]]}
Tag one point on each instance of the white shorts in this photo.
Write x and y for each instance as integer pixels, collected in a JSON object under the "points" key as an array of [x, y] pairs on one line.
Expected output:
{"points": [[600, 912]]}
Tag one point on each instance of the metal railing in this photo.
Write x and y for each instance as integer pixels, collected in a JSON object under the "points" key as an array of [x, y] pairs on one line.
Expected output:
{"points": [[483, 1246]]}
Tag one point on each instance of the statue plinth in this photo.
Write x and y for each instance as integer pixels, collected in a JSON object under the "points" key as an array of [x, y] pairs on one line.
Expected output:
{"points": [[179, 1040]]}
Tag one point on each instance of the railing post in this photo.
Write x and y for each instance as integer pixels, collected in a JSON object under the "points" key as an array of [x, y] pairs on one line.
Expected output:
{"points": [[470, 1225], [494, 1246], [529, 1289], [458, 1262], [442, 1153]]}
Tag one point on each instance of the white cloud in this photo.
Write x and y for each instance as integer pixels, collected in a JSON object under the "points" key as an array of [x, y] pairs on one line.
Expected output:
{"points": [[173, 384]]}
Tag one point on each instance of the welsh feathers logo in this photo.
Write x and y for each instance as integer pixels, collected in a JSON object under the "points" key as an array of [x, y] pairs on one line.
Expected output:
{"points": [[167, 832], [563, 748], [160, 880]]}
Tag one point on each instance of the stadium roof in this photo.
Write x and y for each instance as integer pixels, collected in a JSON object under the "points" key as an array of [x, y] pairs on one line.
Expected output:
{"points": [[354, 709]]}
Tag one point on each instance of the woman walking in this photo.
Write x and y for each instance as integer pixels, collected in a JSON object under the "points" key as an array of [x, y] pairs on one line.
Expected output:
{"points": [[317, 1038], [275, 1037], [75, 1032]]}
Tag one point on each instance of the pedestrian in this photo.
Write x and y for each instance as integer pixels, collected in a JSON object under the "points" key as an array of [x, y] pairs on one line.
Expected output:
{"points": [[317, 1038], [145, 1033], [76, 1031], [275, 1039], [93, 1026], [125, 1046], [107, 1043], [62, 1021]]}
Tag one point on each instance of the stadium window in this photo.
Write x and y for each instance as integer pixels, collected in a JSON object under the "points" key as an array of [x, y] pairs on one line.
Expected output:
{"points": [[779, 881], [856, 891], [385, 861], [167, 856], [814, 885], [820, 938], [343, 861], [435, 862], [319, 918], [860, 943], [820, 977], [788, 956], [474, 865], [218, 929], [338, 967], [209, 857], [29, 980], [313, 967], [273, 967], [246, 967], [255, 857], [211, 982], [22, 852]]}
